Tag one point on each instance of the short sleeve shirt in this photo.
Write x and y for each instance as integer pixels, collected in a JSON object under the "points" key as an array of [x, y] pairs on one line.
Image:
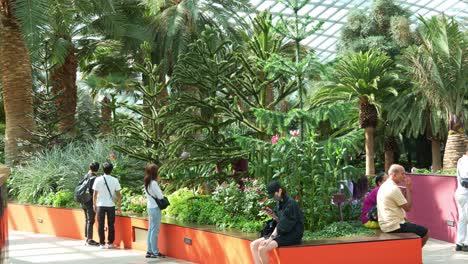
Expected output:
{"points": [[154, 190], [389, 202], [104, 198]]}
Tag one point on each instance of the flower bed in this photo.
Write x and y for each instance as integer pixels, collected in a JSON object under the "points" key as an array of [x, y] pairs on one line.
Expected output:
{"points": [[204, 244]]}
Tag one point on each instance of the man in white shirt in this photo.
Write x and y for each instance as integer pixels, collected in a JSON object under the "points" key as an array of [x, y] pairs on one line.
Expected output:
{"points": [[461, 196], [106, 193], [392, 205]]}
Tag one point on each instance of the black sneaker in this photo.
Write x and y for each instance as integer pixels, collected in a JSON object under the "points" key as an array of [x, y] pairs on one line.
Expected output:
{"points": [[148, 255], [458, 247], [92, 243], [159, 255]]}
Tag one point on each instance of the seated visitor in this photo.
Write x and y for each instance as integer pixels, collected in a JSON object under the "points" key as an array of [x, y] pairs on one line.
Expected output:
{"points": [[392, 205], [289, 228], [370, 204]]}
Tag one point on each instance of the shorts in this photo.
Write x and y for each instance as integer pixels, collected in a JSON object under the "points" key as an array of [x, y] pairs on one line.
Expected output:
{"points": [[408, 227]]}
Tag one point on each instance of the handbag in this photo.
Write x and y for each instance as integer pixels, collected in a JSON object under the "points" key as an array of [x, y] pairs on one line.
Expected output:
{"points": [[372, 214], [268, 228], [162, 203], [464, 182]]}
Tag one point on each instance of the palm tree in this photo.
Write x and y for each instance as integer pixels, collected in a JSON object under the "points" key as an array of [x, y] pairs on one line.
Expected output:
{"points": [[71, 23], [413, 115], [177, 23], [365, 78], [16, 74], [439, 68]]}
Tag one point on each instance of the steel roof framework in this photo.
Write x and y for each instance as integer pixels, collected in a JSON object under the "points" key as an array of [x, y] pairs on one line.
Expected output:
{"points": [[334, 14]]}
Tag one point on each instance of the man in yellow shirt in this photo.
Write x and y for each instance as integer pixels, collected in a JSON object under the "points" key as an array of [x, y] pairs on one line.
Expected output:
{"points": [[392, 205]]}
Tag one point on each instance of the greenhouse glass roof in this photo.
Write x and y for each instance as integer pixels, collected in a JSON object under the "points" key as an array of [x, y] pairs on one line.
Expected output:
{"points": [[334, 13]]}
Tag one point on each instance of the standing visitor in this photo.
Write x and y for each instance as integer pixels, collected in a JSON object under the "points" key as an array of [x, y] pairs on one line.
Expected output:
{"points": [[106, 194], [154, 213], [88, 209], [461, 196]]}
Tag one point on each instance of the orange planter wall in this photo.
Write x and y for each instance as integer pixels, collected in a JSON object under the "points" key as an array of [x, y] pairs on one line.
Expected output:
{"points": [[209, 247]]}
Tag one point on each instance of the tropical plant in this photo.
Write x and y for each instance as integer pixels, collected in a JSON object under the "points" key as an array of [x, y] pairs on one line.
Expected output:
{"points": [[364, 78], [310, 171], [413, 115], [16, 17], [386, 28], [203, 209], [145, 129], [197, 117], [298, 28], [178, 23], [439, 68], [60, 169]]}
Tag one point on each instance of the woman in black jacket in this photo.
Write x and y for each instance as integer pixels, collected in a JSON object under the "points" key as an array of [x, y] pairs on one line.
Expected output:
{"points": [[289, 224]]}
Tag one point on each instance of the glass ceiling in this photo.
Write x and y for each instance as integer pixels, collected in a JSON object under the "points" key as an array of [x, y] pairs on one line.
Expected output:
{"points": [[334, 13]]}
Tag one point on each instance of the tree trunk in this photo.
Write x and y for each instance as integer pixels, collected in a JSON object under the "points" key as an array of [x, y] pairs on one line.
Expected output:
{"points": [[436, 160], [64, 88], [370, 166], [389, 159], [15, 67], [454, 149], [390, 147], [106, 116]]}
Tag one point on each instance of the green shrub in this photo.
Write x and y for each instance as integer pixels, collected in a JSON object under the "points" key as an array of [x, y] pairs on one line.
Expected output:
{"points": [[133, 202], [59, 199], [60, 169], [245, 202], [339, 229], [203, 209]]}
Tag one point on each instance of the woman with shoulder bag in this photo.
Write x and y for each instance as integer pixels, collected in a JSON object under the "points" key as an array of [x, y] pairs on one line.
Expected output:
{"points": [[154, 213]]}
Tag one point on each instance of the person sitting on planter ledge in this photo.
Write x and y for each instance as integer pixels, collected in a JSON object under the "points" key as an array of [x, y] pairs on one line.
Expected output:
{"points": [[369, 207], [290, 224], [391, 205]]}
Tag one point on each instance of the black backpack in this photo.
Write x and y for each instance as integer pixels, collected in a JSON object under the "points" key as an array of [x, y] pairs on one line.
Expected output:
{"points": [[82, 194]]}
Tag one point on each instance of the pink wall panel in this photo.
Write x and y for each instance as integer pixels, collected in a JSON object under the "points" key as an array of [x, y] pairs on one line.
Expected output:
{"points": [[434, 204]]}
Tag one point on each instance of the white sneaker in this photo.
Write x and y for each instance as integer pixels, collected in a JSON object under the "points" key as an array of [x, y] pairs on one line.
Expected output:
{"points": [[102, 246], [110, 246]]}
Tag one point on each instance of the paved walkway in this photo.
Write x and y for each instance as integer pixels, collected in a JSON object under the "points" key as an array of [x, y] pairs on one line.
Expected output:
{"points": [[436, 252], [38, 248], [27, 247]]}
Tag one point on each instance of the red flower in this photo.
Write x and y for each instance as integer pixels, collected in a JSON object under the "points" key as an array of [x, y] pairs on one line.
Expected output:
{"points": [[297, 198], [112, 156]]}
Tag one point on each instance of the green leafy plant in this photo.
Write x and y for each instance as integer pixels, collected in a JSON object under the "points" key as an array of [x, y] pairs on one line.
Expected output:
{"points": [[246, 202], [339, 229], [133, 203], [310, 171], [59, 199], [60, 169], [203, 209]]}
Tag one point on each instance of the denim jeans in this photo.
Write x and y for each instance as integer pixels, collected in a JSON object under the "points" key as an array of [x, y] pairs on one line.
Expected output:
{"points": [[89, 220], [462, 204], [154, 215], [101, 212]]}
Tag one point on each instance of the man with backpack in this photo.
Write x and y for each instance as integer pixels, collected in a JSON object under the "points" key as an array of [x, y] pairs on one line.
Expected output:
{"points": [[84, 195], [106, 194]]}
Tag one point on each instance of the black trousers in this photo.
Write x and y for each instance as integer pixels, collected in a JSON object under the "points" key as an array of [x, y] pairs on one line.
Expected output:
{"points": [[102, 211], [90, 215]]}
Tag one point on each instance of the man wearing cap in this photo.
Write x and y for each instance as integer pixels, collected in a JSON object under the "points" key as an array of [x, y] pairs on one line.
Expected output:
{"points": [[289, 228]]}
